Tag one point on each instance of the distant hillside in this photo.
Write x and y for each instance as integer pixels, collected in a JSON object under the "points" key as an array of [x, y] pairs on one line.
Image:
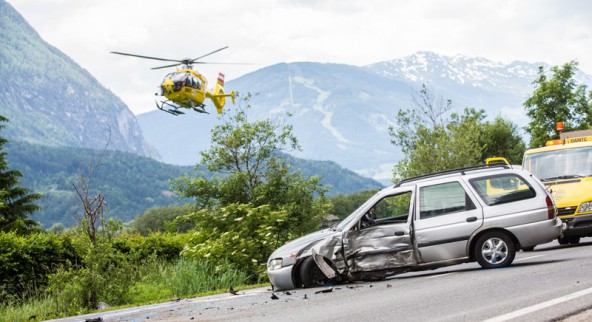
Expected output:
{"points": [[131, 184], [50, 100]]}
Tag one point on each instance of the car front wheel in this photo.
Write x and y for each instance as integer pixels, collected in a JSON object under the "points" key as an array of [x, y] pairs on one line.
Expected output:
{"points": [[494, 250], [311, 275]]}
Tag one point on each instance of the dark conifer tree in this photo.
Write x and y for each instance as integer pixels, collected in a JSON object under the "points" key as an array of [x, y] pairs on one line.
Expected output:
{"points": [[16, 203]]}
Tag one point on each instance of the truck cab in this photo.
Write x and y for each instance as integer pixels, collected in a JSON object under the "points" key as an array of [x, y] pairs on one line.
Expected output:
{"points": [[565, 168]]}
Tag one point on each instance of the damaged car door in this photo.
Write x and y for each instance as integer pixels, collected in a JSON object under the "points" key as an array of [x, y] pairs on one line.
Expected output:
{"points": [[381, 238]]}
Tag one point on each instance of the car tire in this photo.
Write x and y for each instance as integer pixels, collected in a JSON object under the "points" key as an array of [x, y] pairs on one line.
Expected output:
{"points": [[574, 240], [494, 250], [563, 240], [311, 275], [528, 249], [568, 240]]}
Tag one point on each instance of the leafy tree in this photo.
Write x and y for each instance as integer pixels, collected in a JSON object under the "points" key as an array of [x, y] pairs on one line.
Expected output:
{"points": [[161, 219], [253, 179], [432, 142], [557, 98], [16, 203], [501, 139], [248, 155]]}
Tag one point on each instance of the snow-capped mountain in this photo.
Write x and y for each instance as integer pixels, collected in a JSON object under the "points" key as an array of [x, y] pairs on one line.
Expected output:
{"points": [[342, 113]]}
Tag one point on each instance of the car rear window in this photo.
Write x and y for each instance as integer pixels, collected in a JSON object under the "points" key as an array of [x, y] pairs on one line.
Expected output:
{"points": [[500, 189], [443, 199]]}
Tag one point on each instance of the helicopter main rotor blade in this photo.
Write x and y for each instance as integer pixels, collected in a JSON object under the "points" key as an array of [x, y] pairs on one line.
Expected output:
{"points": [[212, 63], [215, 51], [167, 66], [146, 57]]}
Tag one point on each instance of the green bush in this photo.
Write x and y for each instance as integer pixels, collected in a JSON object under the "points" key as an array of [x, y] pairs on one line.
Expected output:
{"points": [[239, 234], [26, 261], [105, 276], [164, 246]]}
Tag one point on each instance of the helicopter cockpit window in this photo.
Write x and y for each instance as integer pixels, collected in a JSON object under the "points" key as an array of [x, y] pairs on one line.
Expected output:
{"points": [[178, 77], [196, 82], [192, 81]]}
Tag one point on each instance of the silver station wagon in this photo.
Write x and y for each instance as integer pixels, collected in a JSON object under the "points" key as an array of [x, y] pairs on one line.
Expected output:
{"points": [[481, 213]]}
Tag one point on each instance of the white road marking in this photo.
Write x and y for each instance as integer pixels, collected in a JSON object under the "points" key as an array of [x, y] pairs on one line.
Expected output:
{"points": [[525, 258], [540, 306], [440, 275]]}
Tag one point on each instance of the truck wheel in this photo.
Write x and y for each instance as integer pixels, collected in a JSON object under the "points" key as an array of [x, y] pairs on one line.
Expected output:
{"points": [[495, 249], [311, 275], [563, 240]]}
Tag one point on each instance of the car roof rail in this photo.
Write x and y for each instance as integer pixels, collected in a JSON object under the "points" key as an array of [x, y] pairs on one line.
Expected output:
{"points": [[452, 171]]}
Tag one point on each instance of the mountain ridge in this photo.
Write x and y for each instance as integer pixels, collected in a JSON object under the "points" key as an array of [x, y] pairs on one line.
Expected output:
{"points": [[67, 104], [343, 113]]}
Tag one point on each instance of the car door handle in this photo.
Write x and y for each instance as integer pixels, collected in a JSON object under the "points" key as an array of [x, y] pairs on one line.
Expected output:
{"points": [[471, 219], [399, 233]]}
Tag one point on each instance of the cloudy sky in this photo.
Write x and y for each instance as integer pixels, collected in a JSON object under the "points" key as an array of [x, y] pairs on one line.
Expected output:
{"points": [[265, 32]]}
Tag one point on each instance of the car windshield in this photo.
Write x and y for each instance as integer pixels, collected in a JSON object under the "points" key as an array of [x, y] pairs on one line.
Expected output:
{"points": [[354, 214], [560, 164]]}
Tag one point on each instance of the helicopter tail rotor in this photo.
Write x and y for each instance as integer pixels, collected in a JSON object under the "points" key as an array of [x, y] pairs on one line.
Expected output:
{"points": [[217, 96]]}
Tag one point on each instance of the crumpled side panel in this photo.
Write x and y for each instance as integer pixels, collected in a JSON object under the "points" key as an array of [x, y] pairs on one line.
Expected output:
{"points": [[375, 262]]}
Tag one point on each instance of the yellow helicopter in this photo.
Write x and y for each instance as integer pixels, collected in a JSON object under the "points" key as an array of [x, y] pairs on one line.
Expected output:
{"points": [[187, 88]]}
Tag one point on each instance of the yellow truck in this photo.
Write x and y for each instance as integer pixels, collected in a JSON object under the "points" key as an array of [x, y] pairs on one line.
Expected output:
{"points": [[565, 168]]}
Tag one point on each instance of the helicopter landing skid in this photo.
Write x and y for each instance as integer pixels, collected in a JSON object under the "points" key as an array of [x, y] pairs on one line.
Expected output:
{"points": [[200, 108], [173, 110]]}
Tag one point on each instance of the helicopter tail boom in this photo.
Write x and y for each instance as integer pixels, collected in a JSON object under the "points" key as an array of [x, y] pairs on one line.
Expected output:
{"points": [[217, 96]]}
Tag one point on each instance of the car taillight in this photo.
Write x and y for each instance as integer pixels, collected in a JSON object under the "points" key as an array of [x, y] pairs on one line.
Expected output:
{"points": [[550, 208]]}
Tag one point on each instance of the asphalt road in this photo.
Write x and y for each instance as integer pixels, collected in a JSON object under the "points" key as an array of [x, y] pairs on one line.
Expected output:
{"points": [[552, 283]]}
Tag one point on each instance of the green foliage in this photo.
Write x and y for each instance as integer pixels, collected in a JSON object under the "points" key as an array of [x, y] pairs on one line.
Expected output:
{"points": [[188, 277], [258, 187], [16, 203], [137, 248], [430, 142], [161, 219], [557, 98], [131, 184], [500, 138], [26, 261], [241, 234], [102, 274], [39, 307], [344, 205], [106, 276]]}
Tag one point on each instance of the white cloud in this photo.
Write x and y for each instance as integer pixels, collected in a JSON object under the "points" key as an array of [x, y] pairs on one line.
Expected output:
{"points": [[266, 32]]}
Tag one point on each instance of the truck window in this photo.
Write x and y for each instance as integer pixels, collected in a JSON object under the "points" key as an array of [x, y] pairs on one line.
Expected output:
{"points": [[502, 189], [560, 164]]}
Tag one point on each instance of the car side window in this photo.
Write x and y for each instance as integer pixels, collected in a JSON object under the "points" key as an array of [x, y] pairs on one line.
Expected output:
{"points": [[442, 199], [389, 210], [500, 189]]}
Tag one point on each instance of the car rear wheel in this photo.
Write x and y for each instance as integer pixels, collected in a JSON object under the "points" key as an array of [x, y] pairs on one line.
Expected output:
{"points": [[311, 275], [494, 250]]}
